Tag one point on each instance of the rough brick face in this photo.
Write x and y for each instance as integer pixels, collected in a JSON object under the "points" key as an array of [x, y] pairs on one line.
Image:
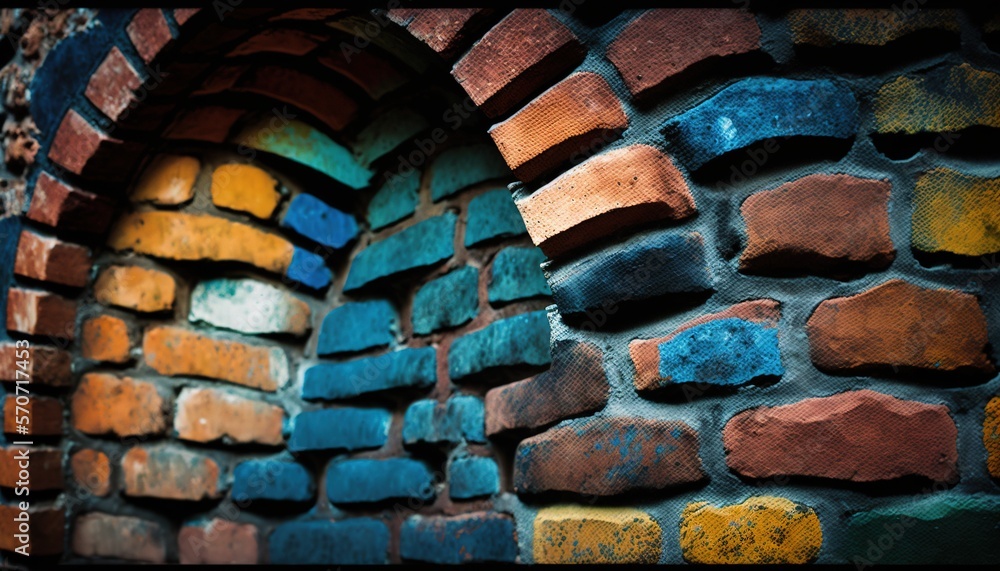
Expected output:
{"points": [[218, 542], [170, 472], [272, 480], [121, 537], [92, 471], [909, 105], [77, 142], [112, 85], [167, 180], [341, 428], [104, 404], [40, 313], [866, 27], [425, 244], [363, 480], [43, 365], [956, 213], [461, 167], [414, 367], [51, 260], [460, 418], [589, 535], [136, 288], [57, 204], [356, 327], [248, 306], [468, 538], [522, 340], [443, 30], [355, 541], [105, 338], [206, 415], [991, 436], [149, 33]]}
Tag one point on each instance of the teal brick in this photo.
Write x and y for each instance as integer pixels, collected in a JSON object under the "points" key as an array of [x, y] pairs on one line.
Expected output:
{"points": [[461, 418], [461, 167], [425, 244], [406, 368], [357, 326], [386, 132], [472, 477], [519, 340], [396, 200], [517, 274], [493, 214], [452, 299], [365, 480], [339, 428]]}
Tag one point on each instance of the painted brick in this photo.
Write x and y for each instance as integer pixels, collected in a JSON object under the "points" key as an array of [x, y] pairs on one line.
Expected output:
{"points": [[721, 352], [761, 529], [105, 404], [111, 87], [467, 538], [445, 31], [991, 436], [309, 269], [386, 132], [43, 465], [170, 472], [865, 27], [395, 200], [40, 313], [176, 352], [956, 213], [51, 260], [357, 326], [522, 54], [491, 215], [428, 421], [278, 40], [942, 99], [514, 341], [245, 188], [46, 534], [377, 76], [758, 108], [218, 542], [405, 368], [248, 306], [149, 33], [861, 436], [424, 244], [365, 480], [167, 180], [356, 541], [120, 537], [45, 416], [608, 456], [43, 365], [819, 224], [341, 428], [473, 476], [273, 480], [660, 44], [575, 384], [92, 471], [77, 143], [461, 167], [207, 415], [900, 325], [59, 205], [595, 534], [105, 338], [135, 288], [448, 301], [516, 274], [560, 125]]}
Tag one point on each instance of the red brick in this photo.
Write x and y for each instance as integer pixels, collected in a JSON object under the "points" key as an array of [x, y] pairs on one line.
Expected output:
{"points": [[51, 260], [40, 313], [861, 436], [62, 206], [222, 79], [121, 537], [77, 142], [375, 75], [44, 416], [308, 14], [47, 526], [105, 404], [218, 542], [327, 103], [565, 123], [42, 365], [660, 44], [92, 471], [170, 472], [182, 15], [446, 31], [527, 51], [207, 415], [111, 87], [211, 124], [607, 193], [105, 338], [900, 325], [44, 466], [149, 33], [278, 40]]}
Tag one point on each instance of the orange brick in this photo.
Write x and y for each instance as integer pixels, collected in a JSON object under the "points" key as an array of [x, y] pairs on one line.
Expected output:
{"points": [[44, 416], [45, 535], [51, 260], [168, 179], [44, 467], [104, 404], [205, 415], [245, 188], [40, 364], [40, 313], [171, 473], [218, 542], [135, 288], [105, 338], [92, 471]]}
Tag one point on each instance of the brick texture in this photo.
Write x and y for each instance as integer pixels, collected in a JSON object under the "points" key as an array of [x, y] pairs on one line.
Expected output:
{"points": [[52, 260]]}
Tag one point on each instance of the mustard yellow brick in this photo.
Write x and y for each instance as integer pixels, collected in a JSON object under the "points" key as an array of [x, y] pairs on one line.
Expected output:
{"points": [[578, 534], [943, 100], [863, 26], [245, 188], [169, 179], [991, 436], [956, 213]]}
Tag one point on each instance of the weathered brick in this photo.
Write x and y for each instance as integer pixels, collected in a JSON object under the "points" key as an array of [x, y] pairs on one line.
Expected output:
{"points": [[991, 436], [248, 306], [40, 313], [207, 415], [861, 436], [42, 465], [460, 418], [377, 76], [559, 125], [77, 143], [105, 338], [322, 100], [182, 15], [608, 456], [309, 269], [900, 325], [340, 428], [209, 123], [468, 538], [43, 415], [245, 188], [424, 244], [218, 542], [120, 537], [414, 367], [364, 480], [516, 274], [448, 301], [135, 288], [92, 471], [172, 351], [386, 132], [595, 534], [105, 404], [473, 476], [445, 31], [395, 200], [59, 205], [356, 541], [357, 326], [461, 167], [761, 529], [491, 215], [41, 364], [522, 340], [170, 472], [278, 40], [956, 213], [45, 536], [52, 260], [323, 224], [866, 27], [949, 98], [273, 480], [111, 88], [149, 33]]}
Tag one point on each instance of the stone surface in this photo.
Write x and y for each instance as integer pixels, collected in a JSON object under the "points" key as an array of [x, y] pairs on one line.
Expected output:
{"points": [[135, 288], [365, 480], [92, 471], [414, 367], [248, 306], [98, 534], [395, 200], [245, 188], [865, 27], [105, 404], [43, 365], [956, 213], [428, 421], [208, 415], [37, 312], [218, 542], [492, 214], [448, 301], [51, 260], [340, 428], [273, 480], [56, 204], [570, 534], [170, 472], [473, 476], [357, 326], [468, 538], [105, 338], [516, 274], [321, 223], [944, 99], [356, 541], [167, 180], [514, 341], [461, 167], [43, 466], [991, 436], [426, 243]]}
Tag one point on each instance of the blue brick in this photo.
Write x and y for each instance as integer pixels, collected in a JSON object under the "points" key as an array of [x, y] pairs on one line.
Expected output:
{"points": [[397, 199], [364, 480], [406, 368], [341, 428], [321, 223], [357, 326], [474, 537], [272, 480], [386, 132], [358, 541], [425, 244], [493, 214], [309, 269], [461, 167], [722, 352], [452, 299], [643, 267], [519, 340], [517, 274], [760, 108], [473, 476], [461, 418]]}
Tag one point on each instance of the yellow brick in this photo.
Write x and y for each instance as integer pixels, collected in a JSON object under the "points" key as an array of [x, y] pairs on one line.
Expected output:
{"points": [[955, 98], [169, 179], [863, 26], [578, 534], [135, 288], [245, 188], [957, 213], [991, 436]]}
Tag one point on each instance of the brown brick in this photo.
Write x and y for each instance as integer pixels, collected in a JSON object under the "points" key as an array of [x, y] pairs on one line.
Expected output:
{"points": [[210, 123], [206, 415], [41, 364], [135, 288], [377, 76], [170, 472], [52, 260], [307, 14], [105, 404], [40, 313], [111, 87], [121, 537], [62, 206], [77, 142], [326, 102], [218, 542], [47, 526], [149, 33], [445, 31], [44, 466], [92, 471], [278, 40], [182, 15], [44, 416], [105, 338]]}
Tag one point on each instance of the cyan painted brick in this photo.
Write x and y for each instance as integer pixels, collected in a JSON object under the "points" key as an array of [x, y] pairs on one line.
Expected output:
{"points": [[358, 541], [386, 132], [365, 480], [341, 428], [357, 326], [424, 244], [272, 480], [461, 418], [474, 537], [462, 167], [761, 108], [722, 352], [493, 214], [473, 476], [519, 340], [309, 269], [321, 223], [517, 274], [642, 267], [452, 299], [406, 368], [397, 199]]}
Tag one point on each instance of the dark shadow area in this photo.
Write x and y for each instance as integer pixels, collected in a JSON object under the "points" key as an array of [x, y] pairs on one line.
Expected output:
{"points": [[873, 60], [276, 508], [972, 143], [960, 377], [906, 485], [632, 496], [716, 70], [740, 166], [679, 393], [956, 261], [501, 375], [789, 264], [631, 314]]}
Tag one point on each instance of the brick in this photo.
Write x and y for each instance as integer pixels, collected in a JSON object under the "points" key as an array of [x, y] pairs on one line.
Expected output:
{"points": [[111, 88], [761, 529], [44, 416], [356, 541], [595, 534], [182, 15], [42, 365], [900, 325], [245, 188], [357, 326], [758, 108], [397, 369], [643, 267], [36, 312], [43, 465], [105, 338], [218, 542], [516, 274], [428, 421], [272, 480], [339, 428], [311, 217], [472, 477], [309, 269], [491, 215], [865, 27], [77, 143], [395, 200], [944, 99], [278, 40], [59, 205], [320, 99], [575, 384], [208, 415], [445, 31], [364, 480], [523, 53], [249, 306], [149, 33], [92, 471], [991, 436], [376, 76], [170, 472], [660, 44], [172, 351], [51, 260], [209, 123], [424, 244], [45, 536], [448, 301], [387, 132], [956, 213], [522, 340], [860, 436], [468, 538], [105, 404], [824, 224], [459, 168], [121, 537], [559, 125], [608, 456], [135, 288]]}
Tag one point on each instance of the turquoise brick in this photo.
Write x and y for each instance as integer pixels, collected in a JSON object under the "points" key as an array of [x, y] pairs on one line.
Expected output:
{"points": [[406, 368], [356, 541], [397, 199], [425, 244], [722, 352], [340, 428], [461, 418], [364, 480], [461, 167], [517, 274], [493, 214], [273, 480], [519, 340], [318, 221], [468, 538], [386, 132], [473, 476], [357, 326], [452, 299]]}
